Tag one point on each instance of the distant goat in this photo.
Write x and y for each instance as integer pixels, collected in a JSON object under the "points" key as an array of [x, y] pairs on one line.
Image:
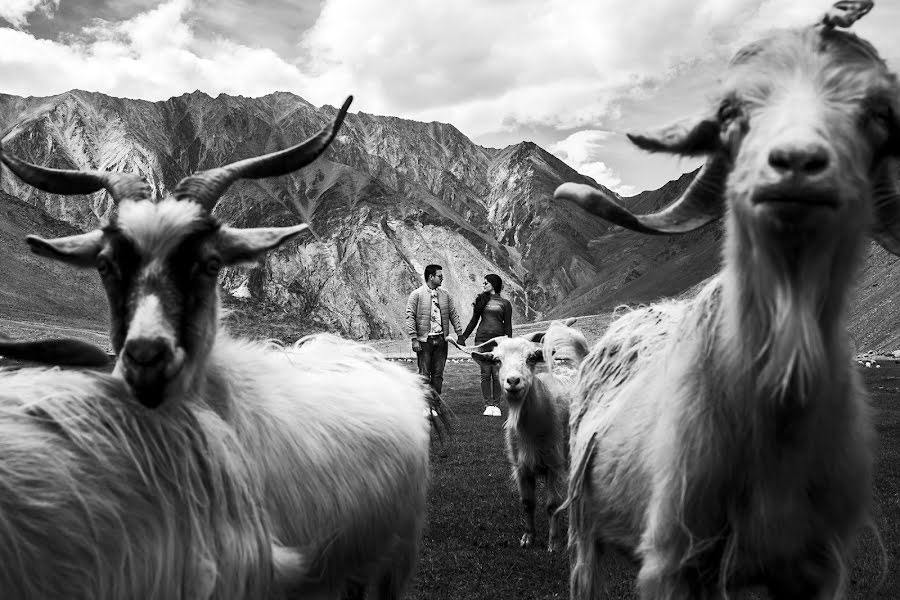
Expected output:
{"points": [[336, 432], [726, 441], [564, 345], [537, 428], [101, 499]]}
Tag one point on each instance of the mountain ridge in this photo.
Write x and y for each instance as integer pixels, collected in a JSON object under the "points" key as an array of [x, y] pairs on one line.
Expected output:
{"points": [[388, 197]]}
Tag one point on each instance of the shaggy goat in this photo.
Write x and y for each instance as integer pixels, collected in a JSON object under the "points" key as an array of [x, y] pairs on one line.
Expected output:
{"points": [[727, 441], [537, 427], [336, 432], [101, 499], [565, 345]]}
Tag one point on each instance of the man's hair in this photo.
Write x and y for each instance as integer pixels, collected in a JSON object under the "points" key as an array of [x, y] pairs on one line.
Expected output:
{"points": [[431, 270]]}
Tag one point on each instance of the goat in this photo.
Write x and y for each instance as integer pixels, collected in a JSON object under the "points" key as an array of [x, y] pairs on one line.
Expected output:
{"points": [[726, 441], [563, 344], [536, 427], [102, 499], [336, 431]]}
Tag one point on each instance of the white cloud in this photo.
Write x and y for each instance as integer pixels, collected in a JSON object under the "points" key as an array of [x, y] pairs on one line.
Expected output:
{"points": [[17, 11], [490, 68], [154, 56], [583, 152], [491, 65]]}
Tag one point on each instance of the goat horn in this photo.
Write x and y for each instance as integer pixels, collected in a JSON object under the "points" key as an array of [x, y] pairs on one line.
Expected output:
{"points": [[121, 186], [701, 203], [477, 347], [206, 187], [886, 199]]}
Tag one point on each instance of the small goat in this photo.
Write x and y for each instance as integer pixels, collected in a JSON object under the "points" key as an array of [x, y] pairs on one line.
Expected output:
{"points": [[336, 432], [101, 499], [537, 427], [564, 345], [726, 441]]}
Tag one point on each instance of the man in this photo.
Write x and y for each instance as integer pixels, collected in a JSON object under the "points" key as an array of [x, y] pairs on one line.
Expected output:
{"points": [[429, 313]]}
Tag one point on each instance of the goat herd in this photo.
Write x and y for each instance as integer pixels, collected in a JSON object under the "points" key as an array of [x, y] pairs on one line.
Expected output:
{"points": [[723, 441]]}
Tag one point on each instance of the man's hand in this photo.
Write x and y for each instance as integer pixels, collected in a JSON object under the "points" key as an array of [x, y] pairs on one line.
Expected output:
{"points": [[416, 346]]}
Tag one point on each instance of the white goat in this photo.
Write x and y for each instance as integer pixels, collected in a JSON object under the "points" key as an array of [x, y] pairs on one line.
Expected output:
{"points": [[565, 345], [101, 499], [537, 427], [726, 441], [336, 432]]}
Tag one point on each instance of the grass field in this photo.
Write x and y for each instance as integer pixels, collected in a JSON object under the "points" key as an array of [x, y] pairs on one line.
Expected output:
{"points": [[471, 546]]}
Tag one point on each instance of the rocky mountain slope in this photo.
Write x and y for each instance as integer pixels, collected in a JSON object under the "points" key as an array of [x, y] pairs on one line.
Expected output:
{"points": [[389, 197]]}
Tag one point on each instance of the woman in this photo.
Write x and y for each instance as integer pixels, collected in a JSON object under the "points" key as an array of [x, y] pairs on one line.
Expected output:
{"points": [[495, 313]]}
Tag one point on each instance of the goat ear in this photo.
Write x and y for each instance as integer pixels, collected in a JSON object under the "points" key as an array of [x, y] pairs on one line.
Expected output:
{"points": [[64, 351], [247, 245], [886, 197], [570, 321], [537, 336], [536, 355], [78, 250], [688, 138], [486, 356]]}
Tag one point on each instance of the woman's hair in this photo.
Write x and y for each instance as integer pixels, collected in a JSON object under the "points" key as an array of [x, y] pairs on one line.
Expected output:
{"points": [[481, 299]]}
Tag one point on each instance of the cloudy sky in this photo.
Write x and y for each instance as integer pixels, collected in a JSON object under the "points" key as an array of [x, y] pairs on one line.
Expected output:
{"points": [[570, 75]]}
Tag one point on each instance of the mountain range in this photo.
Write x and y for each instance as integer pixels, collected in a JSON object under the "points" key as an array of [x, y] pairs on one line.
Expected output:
{"points": [[388, 197]]}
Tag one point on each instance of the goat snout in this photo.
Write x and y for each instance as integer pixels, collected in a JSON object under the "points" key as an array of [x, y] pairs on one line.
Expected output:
{"points": [[800, 159], [149, 365], [147, 352], [513, 381]]}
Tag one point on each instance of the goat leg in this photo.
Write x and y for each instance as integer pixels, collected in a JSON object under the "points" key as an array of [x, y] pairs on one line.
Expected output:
{"points": [[555, 497], [525, 479]]}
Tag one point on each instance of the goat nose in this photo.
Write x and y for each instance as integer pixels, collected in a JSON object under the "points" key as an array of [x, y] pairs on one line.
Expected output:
{"points": [[146, 352], [513, 381], [799, 159]]}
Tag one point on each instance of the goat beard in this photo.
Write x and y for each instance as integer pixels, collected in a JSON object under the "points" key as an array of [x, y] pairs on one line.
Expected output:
{"points": [[790, 303]]}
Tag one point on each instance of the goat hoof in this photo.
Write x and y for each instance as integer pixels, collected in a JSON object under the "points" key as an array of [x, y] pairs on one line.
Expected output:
{"points": [[527, 540]]}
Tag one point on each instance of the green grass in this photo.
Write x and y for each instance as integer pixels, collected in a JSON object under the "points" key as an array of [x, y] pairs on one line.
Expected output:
{"points": [[471, 548]]}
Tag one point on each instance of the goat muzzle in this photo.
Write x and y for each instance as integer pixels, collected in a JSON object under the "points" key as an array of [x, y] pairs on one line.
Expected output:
{"points": [[149, 366]]}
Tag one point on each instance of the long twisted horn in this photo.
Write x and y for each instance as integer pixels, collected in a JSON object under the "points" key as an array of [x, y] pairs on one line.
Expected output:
{"points": [[121, 186], [206, 187]]}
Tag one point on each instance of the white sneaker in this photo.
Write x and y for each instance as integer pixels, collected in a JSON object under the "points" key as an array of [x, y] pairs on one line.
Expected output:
{"points": [[497, 412], [491, 411]]}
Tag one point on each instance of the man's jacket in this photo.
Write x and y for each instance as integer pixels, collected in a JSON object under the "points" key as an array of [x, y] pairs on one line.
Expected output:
{"points": [[418, 313]]}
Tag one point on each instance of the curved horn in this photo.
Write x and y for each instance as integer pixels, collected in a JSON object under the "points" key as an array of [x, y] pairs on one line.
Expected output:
{"points": [[699, 139], [886, 198], [701, 203], [121, 186], [477, 347], [206, 187]]}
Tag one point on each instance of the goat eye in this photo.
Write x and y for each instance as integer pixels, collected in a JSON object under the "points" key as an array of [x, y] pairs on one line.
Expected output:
{"points": [[105, 266], [729, 111], [881, 114], [212, 265]]}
